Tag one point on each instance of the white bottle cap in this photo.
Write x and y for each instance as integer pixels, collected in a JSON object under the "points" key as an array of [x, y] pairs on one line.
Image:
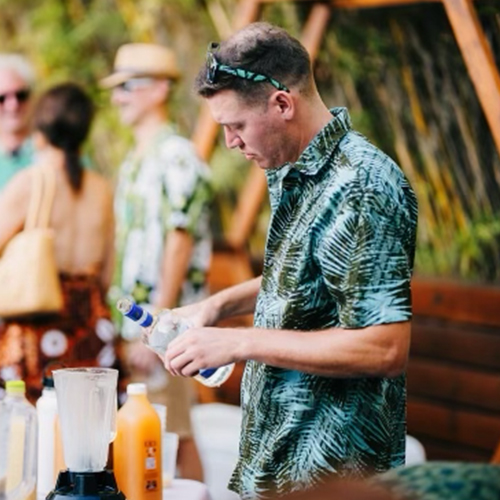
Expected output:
{"points": [[133, 389]]}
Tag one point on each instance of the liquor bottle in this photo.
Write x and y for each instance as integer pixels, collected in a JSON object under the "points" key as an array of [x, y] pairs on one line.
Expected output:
{"points": [[161, 329]]}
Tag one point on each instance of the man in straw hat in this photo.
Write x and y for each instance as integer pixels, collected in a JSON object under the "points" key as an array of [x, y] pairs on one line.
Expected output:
{"points": [[163, 240]]}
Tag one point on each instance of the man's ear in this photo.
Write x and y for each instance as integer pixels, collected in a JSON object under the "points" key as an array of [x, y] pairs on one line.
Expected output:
{"points": [[284, 104]]}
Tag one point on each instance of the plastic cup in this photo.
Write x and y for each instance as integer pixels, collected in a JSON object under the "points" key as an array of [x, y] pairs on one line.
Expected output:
{"points": [[169, 447]]}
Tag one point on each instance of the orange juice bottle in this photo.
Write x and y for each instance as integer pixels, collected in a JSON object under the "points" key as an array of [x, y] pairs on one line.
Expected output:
{"points": [[137, 447]]}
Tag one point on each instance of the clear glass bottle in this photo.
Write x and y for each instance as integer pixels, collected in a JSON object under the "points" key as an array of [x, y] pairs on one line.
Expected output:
{"points": [[161, 329], [18, 443]]}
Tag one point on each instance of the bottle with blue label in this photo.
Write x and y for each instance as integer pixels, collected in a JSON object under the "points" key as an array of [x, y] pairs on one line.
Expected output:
{"points": [[161, 329]]}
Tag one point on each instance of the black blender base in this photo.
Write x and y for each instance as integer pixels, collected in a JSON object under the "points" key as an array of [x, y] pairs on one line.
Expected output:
{"points": [[86, 486]]}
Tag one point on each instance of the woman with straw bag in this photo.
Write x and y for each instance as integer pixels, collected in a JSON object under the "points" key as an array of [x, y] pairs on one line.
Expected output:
{"points": [[56, 241]]}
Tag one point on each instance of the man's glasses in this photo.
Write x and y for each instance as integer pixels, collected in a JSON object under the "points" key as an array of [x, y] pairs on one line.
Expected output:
{"points": [[135, 83], [20, 95], [214, 67]]}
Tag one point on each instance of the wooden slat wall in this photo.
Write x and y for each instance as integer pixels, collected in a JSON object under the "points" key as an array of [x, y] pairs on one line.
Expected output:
{"points": [[454, 370]]}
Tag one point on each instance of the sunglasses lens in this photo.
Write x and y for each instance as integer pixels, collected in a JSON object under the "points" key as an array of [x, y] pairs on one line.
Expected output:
{"points": [[212, 66], [23, 95], [20, 96]]}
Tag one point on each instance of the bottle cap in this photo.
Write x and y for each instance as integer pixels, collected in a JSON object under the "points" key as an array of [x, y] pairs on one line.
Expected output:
{"points": [[15, 386], [136, 389], [48, 381]]}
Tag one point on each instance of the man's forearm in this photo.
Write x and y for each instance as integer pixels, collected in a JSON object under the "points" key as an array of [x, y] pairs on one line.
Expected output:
{"points": [[379, 351], [236, 300], [176, 258]]}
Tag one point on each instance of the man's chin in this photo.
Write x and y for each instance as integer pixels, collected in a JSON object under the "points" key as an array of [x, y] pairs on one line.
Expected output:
{"points": [[14, 125]]}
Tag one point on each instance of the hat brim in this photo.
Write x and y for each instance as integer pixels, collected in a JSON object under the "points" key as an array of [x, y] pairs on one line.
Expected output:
{"points": [[120, 77], [115, 79]]}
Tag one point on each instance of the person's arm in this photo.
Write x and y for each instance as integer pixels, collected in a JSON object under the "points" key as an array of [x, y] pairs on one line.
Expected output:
{"points": [[176, 258], [233, 301], [109, 248], [365, 259], [14, 201], [378, 351]]}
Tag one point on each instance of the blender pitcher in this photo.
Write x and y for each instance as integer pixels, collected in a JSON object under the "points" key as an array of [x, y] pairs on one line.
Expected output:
{"points": [[87, 406]]}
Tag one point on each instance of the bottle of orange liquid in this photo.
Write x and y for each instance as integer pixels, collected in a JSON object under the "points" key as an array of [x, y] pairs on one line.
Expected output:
{"points": [[137, 447]]}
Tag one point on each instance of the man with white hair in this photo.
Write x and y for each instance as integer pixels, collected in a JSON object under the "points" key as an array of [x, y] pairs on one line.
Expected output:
{"points": [[17, 78]]}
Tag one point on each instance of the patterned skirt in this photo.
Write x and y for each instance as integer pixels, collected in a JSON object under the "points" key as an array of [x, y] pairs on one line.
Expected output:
{"points": [[82, 335]]}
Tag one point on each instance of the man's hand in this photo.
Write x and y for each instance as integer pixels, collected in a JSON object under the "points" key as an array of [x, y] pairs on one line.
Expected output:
{"points": [[201, 348], [200, 314]]}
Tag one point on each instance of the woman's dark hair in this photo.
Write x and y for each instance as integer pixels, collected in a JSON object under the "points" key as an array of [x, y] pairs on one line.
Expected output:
{"points": [[63, 115]]}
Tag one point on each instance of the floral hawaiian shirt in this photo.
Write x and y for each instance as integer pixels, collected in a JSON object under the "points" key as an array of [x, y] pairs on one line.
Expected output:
{"points": [[339, 253], [12, 162], [167, 188]]}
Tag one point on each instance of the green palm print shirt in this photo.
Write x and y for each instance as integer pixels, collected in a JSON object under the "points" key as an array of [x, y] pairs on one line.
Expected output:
{"points": [[339, 253]]}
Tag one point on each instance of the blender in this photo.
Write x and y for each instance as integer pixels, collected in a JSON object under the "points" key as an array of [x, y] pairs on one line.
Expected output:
{"points": [[87, 405]]}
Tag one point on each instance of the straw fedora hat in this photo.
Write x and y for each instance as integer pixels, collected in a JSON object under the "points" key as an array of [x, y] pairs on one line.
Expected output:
{"points": [[142, 60]]}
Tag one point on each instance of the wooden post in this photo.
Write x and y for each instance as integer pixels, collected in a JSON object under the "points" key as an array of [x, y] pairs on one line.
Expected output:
{"points": [[478, 59]]}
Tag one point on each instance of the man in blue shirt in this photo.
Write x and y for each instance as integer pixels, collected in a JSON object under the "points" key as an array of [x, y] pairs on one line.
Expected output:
{"points": [[324, 387], [16, 83]]}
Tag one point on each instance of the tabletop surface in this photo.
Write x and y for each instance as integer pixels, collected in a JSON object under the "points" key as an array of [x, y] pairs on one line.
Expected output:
{"points": [[186, 489]]}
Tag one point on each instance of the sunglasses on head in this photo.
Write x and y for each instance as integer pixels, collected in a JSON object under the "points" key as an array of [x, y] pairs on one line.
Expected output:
{"points": [[20, 95], [135, 83], [214, 67]]}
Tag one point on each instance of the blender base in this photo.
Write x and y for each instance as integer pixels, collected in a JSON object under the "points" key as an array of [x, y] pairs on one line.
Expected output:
{"points": [[86, 486]]}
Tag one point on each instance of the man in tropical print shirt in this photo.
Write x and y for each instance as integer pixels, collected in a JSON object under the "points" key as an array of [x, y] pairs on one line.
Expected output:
{"points": [[163, 241], [323, 391]]}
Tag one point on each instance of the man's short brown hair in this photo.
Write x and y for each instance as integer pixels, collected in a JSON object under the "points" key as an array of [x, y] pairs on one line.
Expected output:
{"points": [[264, 49]]}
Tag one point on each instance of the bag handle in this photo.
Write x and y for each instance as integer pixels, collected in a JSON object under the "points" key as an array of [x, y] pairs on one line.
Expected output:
{"points": [[42, 198]]}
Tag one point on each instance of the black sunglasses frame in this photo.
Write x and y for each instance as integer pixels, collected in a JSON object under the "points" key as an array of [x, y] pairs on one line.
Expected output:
{"points": [[214, 67]]}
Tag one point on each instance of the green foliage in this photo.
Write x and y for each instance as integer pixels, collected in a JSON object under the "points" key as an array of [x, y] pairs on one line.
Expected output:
{"points": [[398, 70]]}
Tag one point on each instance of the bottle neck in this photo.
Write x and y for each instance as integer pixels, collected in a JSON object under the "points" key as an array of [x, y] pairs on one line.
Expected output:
{"points": [[137, 397], [16, 394], [135, 312]]}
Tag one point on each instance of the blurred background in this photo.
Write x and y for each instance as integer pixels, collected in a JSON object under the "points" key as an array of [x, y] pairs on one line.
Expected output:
{"points": [[397, 69]]}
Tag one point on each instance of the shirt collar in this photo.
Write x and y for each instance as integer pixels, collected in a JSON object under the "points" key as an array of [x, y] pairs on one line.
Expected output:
{"points": [[317, 154], [25, 148]]}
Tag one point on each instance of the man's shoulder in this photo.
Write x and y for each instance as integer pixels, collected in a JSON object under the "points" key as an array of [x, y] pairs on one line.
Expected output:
{"points": [[371, 168]]}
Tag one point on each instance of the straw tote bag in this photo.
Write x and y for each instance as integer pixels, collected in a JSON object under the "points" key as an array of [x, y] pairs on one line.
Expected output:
{"points": [[29, 281]]}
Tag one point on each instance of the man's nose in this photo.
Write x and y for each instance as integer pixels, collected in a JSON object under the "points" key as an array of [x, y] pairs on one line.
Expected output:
{"points": [[117, 96], [233, 140], [11, 103]]}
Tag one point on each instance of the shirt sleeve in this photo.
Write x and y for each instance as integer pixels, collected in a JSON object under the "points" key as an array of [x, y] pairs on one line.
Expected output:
{"points": [[186, 185], [365, 254]]}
